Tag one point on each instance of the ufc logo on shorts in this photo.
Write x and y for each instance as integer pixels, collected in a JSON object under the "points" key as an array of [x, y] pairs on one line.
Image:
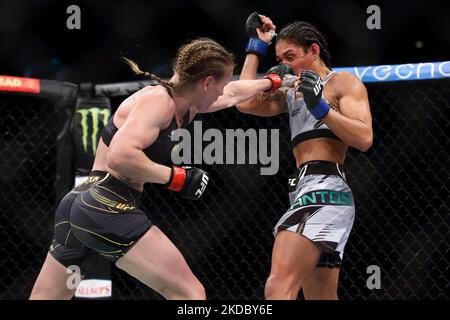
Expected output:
{"points": [[317, 87], [203, 185]]}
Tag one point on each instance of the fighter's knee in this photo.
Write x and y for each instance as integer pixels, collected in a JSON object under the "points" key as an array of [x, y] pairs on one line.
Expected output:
{"points": [[43, 292], [39, 292], [36, 293], [320, 294], [191, 291], [196, 291], [270, 287], [280, 287]]}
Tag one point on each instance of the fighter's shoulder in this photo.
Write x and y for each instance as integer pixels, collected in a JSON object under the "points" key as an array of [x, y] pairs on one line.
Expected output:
{"points": [[157, 92], [345, 76], [155, 100], [344, 81]]}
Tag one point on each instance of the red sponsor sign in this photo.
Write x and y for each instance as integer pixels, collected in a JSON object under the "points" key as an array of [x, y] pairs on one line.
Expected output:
{"points": [[91, 288], [19, 84]]}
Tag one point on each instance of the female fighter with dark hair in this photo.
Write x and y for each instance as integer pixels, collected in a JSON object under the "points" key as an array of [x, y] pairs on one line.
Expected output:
{"points": [[328, 113]]}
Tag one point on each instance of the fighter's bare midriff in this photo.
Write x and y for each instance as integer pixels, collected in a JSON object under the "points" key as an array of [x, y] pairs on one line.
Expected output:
{"points": [[326, 149]]}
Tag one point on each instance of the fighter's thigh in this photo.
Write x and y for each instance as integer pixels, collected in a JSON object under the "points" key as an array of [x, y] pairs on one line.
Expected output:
{"points": [[155, 261], [322, 284], [52, 282], [294, 256]]}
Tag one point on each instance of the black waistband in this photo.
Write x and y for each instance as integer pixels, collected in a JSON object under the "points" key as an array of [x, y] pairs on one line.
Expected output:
{"points": [[98, 173], [93, 178], [122, 189], [322, 167]]}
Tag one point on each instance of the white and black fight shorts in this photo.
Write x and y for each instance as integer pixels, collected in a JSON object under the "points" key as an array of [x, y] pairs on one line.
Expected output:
{"points": [[322, 209]]}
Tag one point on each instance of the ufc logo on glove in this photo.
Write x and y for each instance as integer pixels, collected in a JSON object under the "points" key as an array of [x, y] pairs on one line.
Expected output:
{"points": [[318, 87], [203, 186]]}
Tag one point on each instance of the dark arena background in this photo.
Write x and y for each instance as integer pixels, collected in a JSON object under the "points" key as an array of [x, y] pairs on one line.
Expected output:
{"points": [[58, 87]]}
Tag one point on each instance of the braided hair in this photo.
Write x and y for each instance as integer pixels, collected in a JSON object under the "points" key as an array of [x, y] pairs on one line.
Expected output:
{"points": [[305, 34], [136, 70], [200, 58], [194, 61]]}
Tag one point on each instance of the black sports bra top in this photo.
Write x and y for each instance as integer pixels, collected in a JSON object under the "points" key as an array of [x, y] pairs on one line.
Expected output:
{"points": [[161, 148]]}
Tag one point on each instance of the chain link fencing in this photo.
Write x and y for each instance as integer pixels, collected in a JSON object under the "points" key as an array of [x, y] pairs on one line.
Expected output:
{"points": [[400, 186], [27, 196]]}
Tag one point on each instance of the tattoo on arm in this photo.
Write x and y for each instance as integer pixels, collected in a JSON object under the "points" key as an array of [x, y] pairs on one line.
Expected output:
{"points": [[269, 97]]}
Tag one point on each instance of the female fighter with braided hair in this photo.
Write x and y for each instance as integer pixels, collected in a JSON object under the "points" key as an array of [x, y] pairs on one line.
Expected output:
{"points": [[102, 215], [328, 112]]}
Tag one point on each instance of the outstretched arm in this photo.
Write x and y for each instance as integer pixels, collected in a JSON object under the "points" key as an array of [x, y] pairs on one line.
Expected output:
{"points": [[264, 104], [239, 91]]}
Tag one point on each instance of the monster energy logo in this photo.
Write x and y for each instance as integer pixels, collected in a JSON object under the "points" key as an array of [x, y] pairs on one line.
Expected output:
{"points": [[94, 112]]}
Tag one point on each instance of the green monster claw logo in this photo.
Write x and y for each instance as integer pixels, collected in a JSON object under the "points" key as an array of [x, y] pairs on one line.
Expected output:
{"points": [[94, 112]]}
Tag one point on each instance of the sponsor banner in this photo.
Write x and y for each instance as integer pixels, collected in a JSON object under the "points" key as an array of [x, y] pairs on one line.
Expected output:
{"points": [[401, 72], [91, 116], [19, 84], [94, 288], [91, 130]]}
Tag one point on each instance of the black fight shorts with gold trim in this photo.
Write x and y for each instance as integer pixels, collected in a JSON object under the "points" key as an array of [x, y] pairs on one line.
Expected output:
{"points": [[100, 217]]}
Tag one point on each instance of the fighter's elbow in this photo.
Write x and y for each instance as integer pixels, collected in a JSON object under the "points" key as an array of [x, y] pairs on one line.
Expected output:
{"points": [[365, 143], [234, 101], [112, 161], [243, 107], [239, 107], [116, 159]]}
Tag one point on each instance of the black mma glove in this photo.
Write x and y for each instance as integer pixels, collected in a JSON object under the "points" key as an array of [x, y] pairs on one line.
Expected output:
{"points": [[189, 181], [255, 44], [311, 86]]}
